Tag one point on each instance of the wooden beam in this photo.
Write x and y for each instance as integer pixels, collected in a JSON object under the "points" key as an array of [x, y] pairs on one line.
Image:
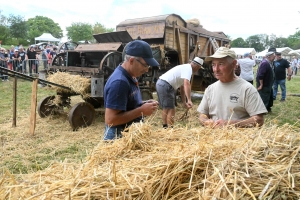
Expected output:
{"points": [[33, 106], [174, 34], [14, 124], [187, 52], [179, 47], [205, 47]]}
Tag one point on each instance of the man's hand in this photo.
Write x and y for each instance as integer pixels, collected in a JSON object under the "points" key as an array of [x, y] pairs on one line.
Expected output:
{"points": [[149, 107], [289, 77], [188, 104], [259, 88]]}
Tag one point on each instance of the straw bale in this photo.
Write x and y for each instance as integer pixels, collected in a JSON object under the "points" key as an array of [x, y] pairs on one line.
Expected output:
{"points": [[77, 83], [178, 163]]}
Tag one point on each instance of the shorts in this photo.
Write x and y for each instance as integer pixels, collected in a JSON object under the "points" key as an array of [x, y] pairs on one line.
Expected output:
{"points": [[166, 94]]}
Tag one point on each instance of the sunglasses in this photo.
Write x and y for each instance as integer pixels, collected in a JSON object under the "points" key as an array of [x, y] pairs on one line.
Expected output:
{"points": [[145, 65]]}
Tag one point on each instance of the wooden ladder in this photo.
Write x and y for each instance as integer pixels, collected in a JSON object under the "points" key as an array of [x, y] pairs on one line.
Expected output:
{"points": [[214, 43]]}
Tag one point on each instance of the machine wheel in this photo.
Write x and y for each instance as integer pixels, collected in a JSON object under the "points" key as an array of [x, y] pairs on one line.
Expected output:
{"points": [[81, 115], [46, 106], [146, 95]]}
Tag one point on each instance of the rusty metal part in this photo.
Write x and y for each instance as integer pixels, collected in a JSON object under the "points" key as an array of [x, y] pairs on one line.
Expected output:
{"points": [[98, 47], [46, 106], [119, 36], [146, 94], [81, 115]]}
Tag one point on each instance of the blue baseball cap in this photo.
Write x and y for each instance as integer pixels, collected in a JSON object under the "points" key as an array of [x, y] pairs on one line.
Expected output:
{"points": [[141, 49], [246, 54]]}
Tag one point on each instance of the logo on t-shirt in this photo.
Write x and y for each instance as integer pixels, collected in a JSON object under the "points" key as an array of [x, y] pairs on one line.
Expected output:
{"points": [[234, 98]]}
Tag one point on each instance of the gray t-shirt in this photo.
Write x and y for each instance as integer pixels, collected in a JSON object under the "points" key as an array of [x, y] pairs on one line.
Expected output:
{"points": [[235, 100]]}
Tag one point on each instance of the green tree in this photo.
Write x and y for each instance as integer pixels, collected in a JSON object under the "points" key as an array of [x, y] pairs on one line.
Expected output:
{"points": [[4, 30], [80, 31], [294, 40], [238, 42], [39, 25], [258, 42], [17, 27], [99, 28], [281, 42]]}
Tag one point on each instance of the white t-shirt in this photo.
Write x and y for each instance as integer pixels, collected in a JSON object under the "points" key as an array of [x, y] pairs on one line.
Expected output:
{"points": [[235, 100], [246, 65], [175, 76]]}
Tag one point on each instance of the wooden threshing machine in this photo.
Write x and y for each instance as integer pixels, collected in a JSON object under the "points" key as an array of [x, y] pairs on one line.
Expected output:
{"points": [[173, 41]]}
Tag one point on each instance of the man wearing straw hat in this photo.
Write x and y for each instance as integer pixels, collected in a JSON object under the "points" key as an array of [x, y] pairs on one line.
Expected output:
{"points": [[231, 100], [122, 96]]}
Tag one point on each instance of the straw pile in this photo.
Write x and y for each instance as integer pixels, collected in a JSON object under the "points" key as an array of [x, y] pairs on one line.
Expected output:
{"points": [[77, 83], [179, 163]]}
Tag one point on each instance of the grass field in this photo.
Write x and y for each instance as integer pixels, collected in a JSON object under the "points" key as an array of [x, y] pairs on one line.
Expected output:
{"points": [[54, 140]]}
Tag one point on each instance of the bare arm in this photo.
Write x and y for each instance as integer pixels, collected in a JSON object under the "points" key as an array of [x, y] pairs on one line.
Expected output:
{"points": [[187, 92], [117, 117], [261, 84]]}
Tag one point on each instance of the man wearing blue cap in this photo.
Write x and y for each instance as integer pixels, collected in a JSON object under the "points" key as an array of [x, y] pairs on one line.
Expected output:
{"points": [[122, 97]]}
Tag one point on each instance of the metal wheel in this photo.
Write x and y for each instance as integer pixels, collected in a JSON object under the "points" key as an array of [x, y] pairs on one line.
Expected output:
{"points": [[46, 106], [81, 115]]}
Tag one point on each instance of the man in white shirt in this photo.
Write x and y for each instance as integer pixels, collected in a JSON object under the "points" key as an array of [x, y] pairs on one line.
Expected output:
{"points": [[169, 82], [246, 65], [231, 100]]}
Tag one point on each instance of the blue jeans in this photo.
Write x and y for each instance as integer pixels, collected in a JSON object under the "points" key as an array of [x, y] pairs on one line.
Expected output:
{"points": [[282, 87], [112, 133]]}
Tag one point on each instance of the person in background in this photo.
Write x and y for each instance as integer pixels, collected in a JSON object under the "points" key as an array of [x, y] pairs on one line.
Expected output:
{"points": [[246, 64], [32, 56], [280, 67], [122, 95], [167, 85], [265, 79], [231, 100], [4, 57], [23, 60], [16, 61], [45, 58], [11, 52], [294, 65]]}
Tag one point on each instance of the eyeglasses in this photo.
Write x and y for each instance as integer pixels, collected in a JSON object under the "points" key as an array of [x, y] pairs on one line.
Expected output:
{"points": [[145, 65]]}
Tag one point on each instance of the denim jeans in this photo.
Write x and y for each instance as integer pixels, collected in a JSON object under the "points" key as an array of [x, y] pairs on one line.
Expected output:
{"points": [[112, 133], [282, 87]]}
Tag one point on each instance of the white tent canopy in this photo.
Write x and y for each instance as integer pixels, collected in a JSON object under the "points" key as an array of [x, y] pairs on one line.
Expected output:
{"points": [[47, 37], [284, 51], [241, 51]]}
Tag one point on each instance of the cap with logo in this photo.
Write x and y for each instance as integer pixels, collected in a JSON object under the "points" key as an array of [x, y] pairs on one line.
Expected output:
{"points": [[222, 52], [141, 49]]}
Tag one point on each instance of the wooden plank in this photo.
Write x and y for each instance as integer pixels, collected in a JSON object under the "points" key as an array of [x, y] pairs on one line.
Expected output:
{"points": [[33, 107], [174, 39], [179, 47], [14, 124], [187, 47], [205, 47]]}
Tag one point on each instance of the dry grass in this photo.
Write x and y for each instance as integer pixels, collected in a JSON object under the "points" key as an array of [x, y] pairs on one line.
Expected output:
{"points": [[180, 163], [76, 83]]}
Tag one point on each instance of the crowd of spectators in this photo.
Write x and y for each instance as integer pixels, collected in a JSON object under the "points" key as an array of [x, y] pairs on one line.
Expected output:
{"points": [[26, 60]]}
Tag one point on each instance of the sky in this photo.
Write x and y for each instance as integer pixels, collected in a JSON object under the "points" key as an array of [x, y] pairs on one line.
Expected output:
{"points": [[236, 18]]}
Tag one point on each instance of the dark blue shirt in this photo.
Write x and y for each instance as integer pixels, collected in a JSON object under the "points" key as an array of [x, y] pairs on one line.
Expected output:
{"points": [[121, 92], [280, 69], [265, 73]]}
